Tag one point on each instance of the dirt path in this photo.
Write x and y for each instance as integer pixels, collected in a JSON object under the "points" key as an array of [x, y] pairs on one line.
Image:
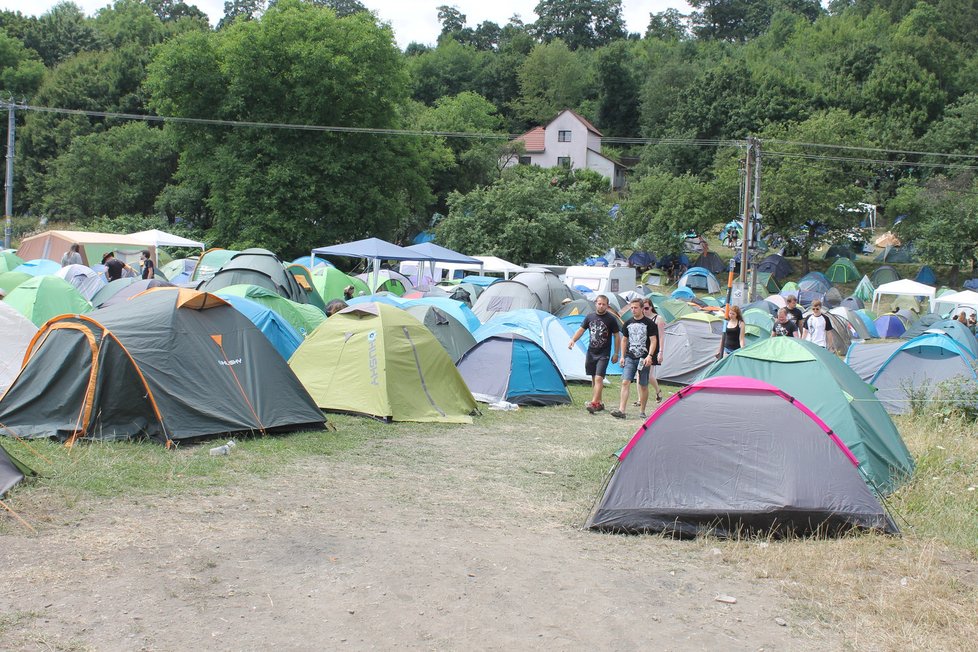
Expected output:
{"points": [[408, 543]]}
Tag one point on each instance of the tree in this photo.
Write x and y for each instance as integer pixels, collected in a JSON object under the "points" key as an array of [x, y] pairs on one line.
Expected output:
{"points": [[451, 19], [285, 188], [941, 219], [21, 70], [552, 78], [579, 23], [241, 9], [173, 10], [668, 25], [119, 171], [531, 214], [618, 90], [61, 33], [742, 20], [802, 200]]}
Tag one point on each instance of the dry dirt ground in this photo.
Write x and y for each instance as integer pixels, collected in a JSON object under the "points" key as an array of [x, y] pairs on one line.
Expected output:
{"points": [[448, 539]]}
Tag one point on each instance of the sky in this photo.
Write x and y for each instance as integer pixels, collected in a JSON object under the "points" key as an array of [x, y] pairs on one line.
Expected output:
{"points": [[411, 20]]}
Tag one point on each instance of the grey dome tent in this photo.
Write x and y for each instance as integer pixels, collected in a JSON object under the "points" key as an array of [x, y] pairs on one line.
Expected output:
{"points": [[454, 337], [777, 265], [547, 286], [201, 369], [690, 347], [883, 274], [505, 296], [705, 463], [511, 367], [710, 261], [257, 267], [12, 471]]}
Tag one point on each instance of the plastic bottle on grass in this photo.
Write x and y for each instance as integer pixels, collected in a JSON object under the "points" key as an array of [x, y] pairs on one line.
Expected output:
{"points": [[223, 450]]}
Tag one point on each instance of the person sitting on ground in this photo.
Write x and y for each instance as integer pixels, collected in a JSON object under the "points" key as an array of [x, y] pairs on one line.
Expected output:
{"points": [[113, 266], [149, 270], [335, 306], [638, 340], [734, 332], [72, 256], [783, 326]]}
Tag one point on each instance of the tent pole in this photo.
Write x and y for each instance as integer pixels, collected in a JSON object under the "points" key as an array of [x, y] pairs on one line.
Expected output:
{"points": [[373, 290]]}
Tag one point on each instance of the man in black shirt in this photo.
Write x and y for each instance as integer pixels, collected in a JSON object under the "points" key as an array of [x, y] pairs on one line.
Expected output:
{"points": [[149, 270], [796, 315], [603, 329], [113, 266]]}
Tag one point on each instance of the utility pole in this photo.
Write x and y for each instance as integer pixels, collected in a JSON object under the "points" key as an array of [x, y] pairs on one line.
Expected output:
{"points": [[755, 215], [745, 214], [8, 205]]}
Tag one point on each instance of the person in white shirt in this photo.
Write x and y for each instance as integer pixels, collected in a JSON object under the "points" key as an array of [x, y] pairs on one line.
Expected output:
{"points": [[817, 325]]}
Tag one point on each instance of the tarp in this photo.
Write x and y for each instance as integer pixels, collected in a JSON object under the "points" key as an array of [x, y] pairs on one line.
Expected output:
{"points": [[510, 367], [378, 360], [53, 245], [680, 476], [835, 393], [170, 364]]}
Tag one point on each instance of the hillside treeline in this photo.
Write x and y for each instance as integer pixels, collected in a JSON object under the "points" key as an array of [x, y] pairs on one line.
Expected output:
{"points": [[302, 122]]}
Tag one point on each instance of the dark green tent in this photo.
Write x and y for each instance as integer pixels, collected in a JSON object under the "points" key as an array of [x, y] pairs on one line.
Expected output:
{"points": [[257, 267], [168, 364]]}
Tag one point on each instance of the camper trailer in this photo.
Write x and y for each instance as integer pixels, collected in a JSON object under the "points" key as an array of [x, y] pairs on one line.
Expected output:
{"points": [[601, 279]]}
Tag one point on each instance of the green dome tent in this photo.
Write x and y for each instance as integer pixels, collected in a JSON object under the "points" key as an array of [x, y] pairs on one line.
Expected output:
{"points": [[43, 297], [303, 317], [330, 282], [378, 360], [10, 280], [864, 290], [9, 261], [836, 394], [842, 270]]}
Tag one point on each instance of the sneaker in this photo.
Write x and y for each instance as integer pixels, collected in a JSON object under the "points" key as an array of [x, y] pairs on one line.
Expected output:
{"points": [[642, 416], [590, 407], [598, 407], [618, 414]]}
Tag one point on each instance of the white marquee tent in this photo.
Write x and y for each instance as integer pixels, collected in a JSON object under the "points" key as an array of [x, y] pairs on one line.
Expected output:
{"points": [[905, 287]]}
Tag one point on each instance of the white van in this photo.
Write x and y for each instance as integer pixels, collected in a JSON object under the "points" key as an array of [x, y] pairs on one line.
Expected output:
{"points": [[601, 279]]}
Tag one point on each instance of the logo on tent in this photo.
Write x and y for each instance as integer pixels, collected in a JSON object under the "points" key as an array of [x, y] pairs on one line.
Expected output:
{"points": [[230, 363], [372, 358]]}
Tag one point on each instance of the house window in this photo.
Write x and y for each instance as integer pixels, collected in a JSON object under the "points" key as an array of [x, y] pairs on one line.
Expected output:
{"points": [[563, 161], [525, 160], [563, 136]]}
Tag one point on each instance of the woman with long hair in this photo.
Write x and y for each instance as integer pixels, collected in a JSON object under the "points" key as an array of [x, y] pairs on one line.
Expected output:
{"points": [[734, 331]]}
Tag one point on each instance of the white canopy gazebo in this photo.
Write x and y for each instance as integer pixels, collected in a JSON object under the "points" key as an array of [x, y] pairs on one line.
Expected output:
{"points": [[956, 300], [905, 287]]}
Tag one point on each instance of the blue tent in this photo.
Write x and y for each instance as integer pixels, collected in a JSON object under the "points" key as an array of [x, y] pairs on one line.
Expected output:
{"points": [[273, 326], [890, 326], [39, 267], [307, 261], [919, 367], [701, 279], [927, 275], [641, 259], [683, 294], [513, 368]]}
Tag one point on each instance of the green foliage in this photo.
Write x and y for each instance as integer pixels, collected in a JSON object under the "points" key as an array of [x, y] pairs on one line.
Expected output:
{"points": [[942, 218], [531, 214], [129, 165], [61, 33], [552, 78], [283, 189], [20, 69], [579, 23]]}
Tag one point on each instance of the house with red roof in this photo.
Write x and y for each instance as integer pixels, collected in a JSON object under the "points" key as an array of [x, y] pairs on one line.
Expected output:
{"points": [[569, 140]]}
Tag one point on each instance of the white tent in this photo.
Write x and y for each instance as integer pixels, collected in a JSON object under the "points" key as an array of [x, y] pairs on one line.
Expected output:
{"points": [[952, 301], [159, 238], [905, 287], [17, 334]]}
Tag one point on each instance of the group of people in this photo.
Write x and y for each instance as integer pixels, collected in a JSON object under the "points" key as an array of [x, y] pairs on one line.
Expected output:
{"points": [[790, 322], [637, 343], [970, 321], [114, 268]]}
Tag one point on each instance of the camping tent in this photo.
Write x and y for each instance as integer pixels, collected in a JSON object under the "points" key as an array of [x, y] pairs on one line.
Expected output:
{"points": [[273, 326], [839, 251], [210, 262], [330, 283], [926, 275], [38, 267], [449, 331], [889, 326], [690, 346], [84, 279], [896, 254], [776, 265], [916, 370], [711, 262], [882, 274], [866, 358], [843, 270], [504, 296], [201, 369], [697, 278], [387, 280], [547, 286], [92, 246], [435, 254], [18, 331], [12, 471], [159, 238], [178, 271], [43, 297], [705, 462], [303, 317], [9, 261], [835, 393], [378, 360], [906, 287], [952, 302], [547, 331], [456, 309], [852, 303], [257, 267], [853, 320], [138, 286], [864, 289], [510, 367]]}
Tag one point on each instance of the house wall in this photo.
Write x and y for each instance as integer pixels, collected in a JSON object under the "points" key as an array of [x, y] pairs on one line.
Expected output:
{"points": [[576, 149]]}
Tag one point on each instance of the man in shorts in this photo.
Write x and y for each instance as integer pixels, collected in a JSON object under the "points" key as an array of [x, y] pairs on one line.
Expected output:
{"points": [[603, 331], [639, 338]]}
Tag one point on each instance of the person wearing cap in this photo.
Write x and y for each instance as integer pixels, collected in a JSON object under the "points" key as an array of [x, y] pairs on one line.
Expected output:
{"points": [[113, 266]]}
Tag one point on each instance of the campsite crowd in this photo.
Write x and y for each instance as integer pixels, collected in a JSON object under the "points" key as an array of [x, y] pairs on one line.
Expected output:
{"points": [[277, 344]]}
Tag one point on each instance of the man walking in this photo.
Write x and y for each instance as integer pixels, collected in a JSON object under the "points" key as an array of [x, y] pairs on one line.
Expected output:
{"points": [[603, 329], [639, 337], [817, 325]]}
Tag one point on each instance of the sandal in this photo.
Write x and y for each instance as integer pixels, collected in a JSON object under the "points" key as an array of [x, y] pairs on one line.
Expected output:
{"points": [[658, 397]]}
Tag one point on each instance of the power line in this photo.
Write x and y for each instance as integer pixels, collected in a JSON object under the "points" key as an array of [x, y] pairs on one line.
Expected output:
{"points": [[870, 161], [870, 149]]}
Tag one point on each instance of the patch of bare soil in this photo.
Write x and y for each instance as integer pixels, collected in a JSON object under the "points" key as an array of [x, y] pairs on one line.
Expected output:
{"points": [[407, 544]]}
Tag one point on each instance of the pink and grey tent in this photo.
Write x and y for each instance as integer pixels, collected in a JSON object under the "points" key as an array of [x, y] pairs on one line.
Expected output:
{"points": [[704, 463]]}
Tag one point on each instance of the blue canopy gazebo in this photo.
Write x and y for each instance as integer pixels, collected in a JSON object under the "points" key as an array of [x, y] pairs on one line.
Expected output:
{"points": [[372, 249], [438, 254]]}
